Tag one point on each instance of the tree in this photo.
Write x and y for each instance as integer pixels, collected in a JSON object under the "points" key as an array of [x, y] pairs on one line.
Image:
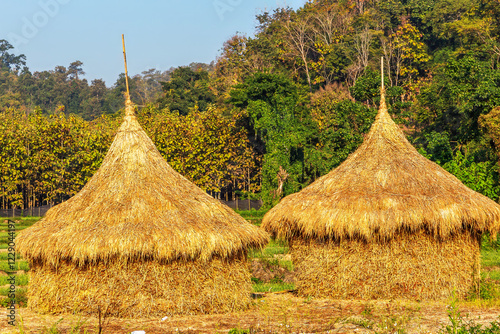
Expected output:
{"points": [[204, 146], [404, 53], [361, 44], [75, 69], [462, 89], [12, 157], [93, 104], [231, 67], [337, 129], [331, 23], [116, 95], [273, 105], [491, 123], [479, 176], [187, 89], [10, 61], [148, 85], [298, 41]]}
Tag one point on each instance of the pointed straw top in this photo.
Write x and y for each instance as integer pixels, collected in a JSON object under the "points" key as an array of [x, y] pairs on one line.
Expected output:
{"points": [[137, 208], [383, 188]]}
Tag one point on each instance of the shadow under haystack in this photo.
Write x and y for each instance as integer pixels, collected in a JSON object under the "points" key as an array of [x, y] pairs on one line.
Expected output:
{"points": [[139, 240], [386, 223]]}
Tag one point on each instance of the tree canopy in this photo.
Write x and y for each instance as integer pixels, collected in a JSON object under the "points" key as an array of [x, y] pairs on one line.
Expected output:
{"points": [[277, 110]]}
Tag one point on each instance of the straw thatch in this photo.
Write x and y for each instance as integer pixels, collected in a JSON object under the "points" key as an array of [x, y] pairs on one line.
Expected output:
{"points": [[383, 195], [382, 188], [137, 290], [136, 214], [411, 266]]}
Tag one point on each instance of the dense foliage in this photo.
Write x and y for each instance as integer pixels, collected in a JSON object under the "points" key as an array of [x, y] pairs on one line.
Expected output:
{"points": [[276, 110]]}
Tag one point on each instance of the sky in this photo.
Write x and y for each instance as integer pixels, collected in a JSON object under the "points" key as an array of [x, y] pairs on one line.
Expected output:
{"points": [[158, 34]]}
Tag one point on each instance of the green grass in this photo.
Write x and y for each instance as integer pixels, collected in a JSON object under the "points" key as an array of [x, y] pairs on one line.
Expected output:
{"points": [[21, 280], [254, 216], [490, 257], [5, 228], [460, 323], [5, 291], [267, 257], [21, 224], [494, 275], [272, 287], [274, 247], [490, 273], [5, 256], [20, 296], [5, 238], [20, 221], [273, 262], [20, 265]]}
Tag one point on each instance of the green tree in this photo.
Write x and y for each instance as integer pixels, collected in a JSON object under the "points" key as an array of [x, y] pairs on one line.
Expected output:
{"points": [[338, 125], [187, 89], [93, 105], [9, 61], [75, 69], [479, 176], [273, 103], [462, 90]]}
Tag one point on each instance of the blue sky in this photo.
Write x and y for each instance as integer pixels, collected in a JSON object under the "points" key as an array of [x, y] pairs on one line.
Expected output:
{"points": [[158, 34]]}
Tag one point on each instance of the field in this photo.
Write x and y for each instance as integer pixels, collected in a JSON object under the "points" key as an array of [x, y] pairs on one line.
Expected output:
{"points": [[276, 309]]}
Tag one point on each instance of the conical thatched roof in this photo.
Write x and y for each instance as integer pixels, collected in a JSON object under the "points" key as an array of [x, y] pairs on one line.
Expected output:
{"points": [[382, 188], [137, 207]]}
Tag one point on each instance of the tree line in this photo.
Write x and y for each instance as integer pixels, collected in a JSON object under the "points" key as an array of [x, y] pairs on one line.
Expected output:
{"points": [[277, 110]]}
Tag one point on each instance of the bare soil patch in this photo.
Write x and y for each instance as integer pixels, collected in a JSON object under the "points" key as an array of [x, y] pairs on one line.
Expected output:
{"points": [[267, 272], [491, 268], [278, 313]]}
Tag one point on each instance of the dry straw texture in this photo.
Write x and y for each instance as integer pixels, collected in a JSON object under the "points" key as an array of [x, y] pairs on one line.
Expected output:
{"points": [[411, 266], [137, 290], [383, 188], [137, 207], [387, 223], [139, 240]]}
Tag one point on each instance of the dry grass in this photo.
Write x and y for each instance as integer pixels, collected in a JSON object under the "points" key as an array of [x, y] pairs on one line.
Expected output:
{"points": [[387, 223], [139, 240], [411, 266], [137, 207], [278, 313], [138, 290], [384, 187]]}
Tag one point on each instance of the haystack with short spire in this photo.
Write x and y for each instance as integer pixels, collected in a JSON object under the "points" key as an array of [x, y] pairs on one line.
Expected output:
{"points": [[139, 240], [386, 223]]}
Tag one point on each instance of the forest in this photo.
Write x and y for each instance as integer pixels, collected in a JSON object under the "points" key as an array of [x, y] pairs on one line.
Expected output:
{"points": [[275, 110]]}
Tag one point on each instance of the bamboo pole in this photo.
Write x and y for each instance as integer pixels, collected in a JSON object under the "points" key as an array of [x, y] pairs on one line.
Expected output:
{"points": [[126, 72]]}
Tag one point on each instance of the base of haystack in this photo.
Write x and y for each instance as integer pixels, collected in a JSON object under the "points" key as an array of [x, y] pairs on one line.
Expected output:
{"points": [[144, 289], [416, 267]]}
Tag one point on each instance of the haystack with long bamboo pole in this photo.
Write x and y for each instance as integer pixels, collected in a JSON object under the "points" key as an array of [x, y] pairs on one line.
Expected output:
{"points": [[386, 223], [139, 240]]}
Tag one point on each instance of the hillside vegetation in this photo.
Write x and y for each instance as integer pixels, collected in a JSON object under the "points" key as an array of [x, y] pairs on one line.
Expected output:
{"points": [[276, 110]]}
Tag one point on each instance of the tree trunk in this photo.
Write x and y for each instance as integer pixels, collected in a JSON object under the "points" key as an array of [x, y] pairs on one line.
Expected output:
{"points": [[249, 181]]}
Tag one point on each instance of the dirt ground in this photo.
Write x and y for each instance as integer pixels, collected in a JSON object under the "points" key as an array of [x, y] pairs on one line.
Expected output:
{"points": [[274, 313]]}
